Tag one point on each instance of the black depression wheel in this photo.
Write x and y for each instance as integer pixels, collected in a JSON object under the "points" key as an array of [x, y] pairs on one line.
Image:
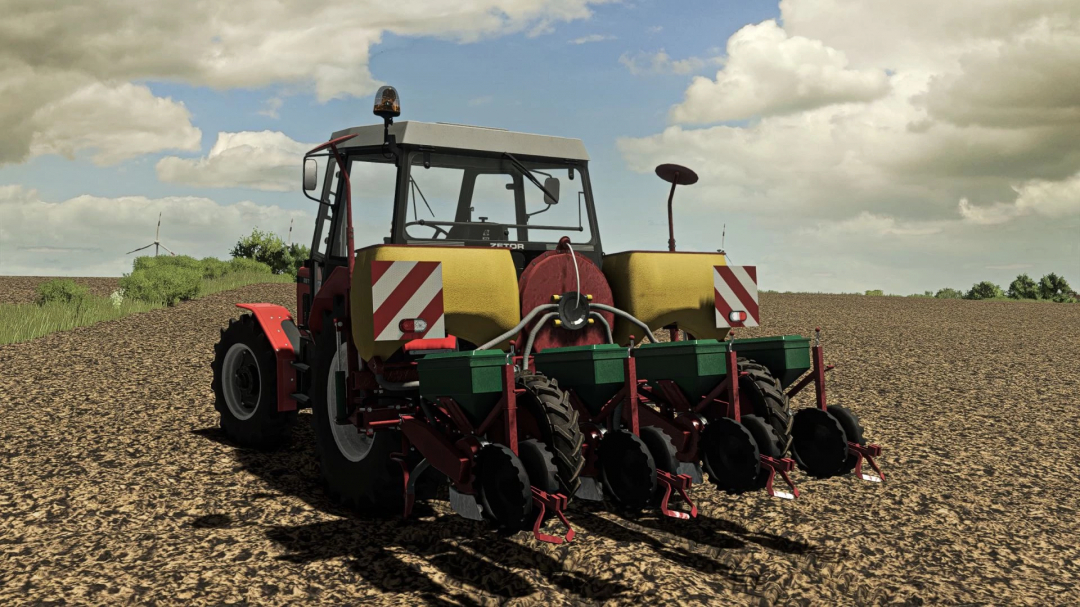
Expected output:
{"points": [[558, 424], [627, 470], [539, 465], [767, 442], [762, 392], [245, 387], [730, 456], [819, 444], [852, 429], [503, 486], [357, 469], [663, 453]]}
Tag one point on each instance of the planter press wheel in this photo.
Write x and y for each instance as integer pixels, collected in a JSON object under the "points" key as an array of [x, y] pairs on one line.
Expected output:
{"points": [[503, 486], [663, 453], [768, 444], [819, 443], [730, 455], [539, 465], [852, 429], [627, 470]]}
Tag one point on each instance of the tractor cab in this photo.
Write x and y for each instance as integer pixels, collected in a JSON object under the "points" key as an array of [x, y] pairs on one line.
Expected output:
{"points": [[461, 186]]}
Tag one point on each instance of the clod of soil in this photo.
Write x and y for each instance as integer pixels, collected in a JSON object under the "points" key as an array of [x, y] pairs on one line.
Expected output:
{"points": [[23, 289], [117, 487]]}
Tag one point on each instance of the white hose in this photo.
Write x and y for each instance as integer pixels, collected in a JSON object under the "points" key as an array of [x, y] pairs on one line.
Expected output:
{"points": [[577, 276]]}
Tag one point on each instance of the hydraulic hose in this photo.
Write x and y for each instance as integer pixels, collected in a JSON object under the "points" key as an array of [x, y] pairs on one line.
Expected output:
{"points": [[627, 316], [397, 386], [532, 338], [521, 325], [607, 327]]}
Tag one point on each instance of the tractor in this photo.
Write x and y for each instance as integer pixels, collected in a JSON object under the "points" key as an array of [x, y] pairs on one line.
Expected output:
{"points": [[505, 360]]}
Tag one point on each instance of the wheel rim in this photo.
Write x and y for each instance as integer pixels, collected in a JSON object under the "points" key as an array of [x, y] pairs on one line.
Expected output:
{"points": [[352, 444], [241, 381]]}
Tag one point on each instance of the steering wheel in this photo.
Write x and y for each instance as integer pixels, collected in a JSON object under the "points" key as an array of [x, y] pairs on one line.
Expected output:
{"points": [[438, 229]]}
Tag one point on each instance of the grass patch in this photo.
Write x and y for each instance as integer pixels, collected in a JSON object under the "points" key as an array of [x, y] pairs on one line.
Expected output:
{"points": [[61, 309]]}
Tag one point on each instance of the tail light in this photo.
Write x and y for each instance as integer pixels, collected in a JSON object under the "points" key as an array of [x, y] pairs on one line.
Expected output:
{"points": [[413, 325], [737, 316]]}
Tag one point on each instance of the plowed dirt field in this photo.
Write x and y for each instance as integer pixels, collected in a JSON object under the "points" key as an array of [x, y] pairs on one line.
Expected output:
{"points": [[116, 485]]}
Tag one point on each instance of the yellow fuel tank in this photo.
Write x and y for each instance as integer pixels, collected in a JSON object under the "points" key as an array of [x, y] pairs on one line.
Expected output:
{"points": [[661, 288], [480, 293]]}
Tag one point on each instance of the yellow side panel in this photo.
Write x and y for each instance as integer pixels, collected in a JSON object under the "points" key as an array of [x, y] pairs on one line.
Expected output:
{"points": [[480, 293], [661, 288]]}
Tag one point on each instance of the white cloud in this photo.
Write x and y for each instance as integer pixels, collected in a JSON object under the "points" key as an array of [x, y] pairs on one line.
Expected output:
{"points": [[89, 235], [117, 121], [924, 106], [67, 55], [483, 100], [591, 38], [661, 63], [271, 107], [266, 160], [767, 72]]}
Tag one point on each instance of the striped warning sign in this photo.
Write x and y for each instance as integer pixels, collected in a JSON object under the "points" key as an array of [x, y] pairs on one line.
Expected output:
{"points": [[736, 296], [407, 300]]}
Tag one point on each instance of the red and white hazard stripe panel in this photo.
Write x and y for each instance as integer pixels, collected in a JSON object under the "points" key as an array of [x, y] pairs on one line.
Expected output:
{"points": [[407, 300], [736, 296]]}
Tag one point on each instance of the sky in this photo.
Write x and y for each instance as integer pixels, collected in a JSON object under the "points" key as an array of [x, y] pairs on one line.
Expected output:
{"points": [[846, 145]]}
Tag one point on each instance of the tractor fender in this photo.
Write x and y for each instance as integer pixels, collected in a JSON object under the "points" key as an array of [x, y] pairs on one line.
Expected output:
{"points": [[280, 330]]}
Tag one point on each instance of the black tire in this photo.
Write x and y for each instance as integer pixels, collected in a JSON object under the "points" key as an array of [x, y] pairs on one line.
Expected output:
{"points": [[768, 444], [558, 423], [766, 400], [627, 470], [539, 464], [372, 484], [853, 431], [503, 487], [820, 443], [663, 452], [247, 398], [730, 456]]}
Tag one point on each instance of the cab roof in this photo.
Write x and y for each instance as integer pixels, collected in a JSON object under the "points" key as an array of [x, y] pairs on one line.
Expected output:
{"points": [[462, 137]]}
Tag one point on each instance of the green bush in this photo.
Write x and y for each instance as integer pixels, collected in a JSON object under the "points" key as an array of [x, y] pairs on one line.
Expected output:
{"points": [[1023, 288], [876, 293], [984, 290], [64, 290], [271, 250], [1054, 287], [214, 268], [948, 293], [243, 264], [170, 261], [164, 283]]}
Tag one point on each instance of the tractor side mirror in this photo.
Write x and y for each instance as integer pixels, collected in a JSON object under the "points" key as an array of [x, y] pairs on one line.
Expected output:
{"points": [[311, 174], [551, 184]]}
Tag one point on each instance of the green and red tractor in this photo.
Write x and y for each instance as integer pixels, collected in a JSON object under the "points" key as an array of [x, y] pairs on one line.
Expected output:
{"points": [[516, 366]]}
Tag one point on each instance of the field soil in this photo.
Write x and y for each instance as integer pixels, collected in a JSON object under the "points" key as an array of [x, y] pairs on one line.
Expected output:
{"points": [[116, 485], [23, 289]]}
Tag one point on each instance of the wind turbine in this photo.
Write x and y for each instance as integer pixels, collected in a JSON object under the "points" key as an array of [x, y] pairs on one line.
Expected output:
{"points": [[156, 243]]}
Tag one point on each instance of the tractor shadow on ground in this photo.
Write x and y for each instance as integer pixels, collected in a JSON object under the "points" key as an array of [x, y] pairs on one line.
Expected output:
{"points": [[389, 553]]}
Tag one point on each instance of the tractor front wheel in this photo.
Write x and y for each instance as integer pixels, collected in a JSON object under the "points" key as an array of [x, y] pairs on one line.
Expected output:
{"points": [[245, 387]]}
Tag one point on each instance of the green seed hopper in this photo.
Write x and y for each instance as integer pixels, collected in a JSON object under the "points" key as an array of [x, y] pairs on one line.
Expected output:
{"points": [[473, 378], [595, 373]]}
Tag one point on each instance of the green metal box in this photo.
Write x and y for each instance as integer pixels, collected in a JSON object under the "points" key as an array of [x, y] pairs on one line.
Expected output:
{"points": [[696, 366], [595, 373], [472, 378], [785, 356]]}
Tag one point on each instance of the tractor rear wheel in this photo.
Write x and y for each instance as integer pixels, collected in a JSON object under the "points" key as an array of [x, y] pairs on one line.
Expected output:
{"points": [[557, 421], [762, 392], [245, 387], [356, 468]]}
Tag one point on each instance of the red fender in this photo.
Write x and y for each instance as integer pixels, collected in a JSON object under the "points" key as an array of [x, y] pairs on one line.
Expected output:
{"points": [[270, 317]]}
